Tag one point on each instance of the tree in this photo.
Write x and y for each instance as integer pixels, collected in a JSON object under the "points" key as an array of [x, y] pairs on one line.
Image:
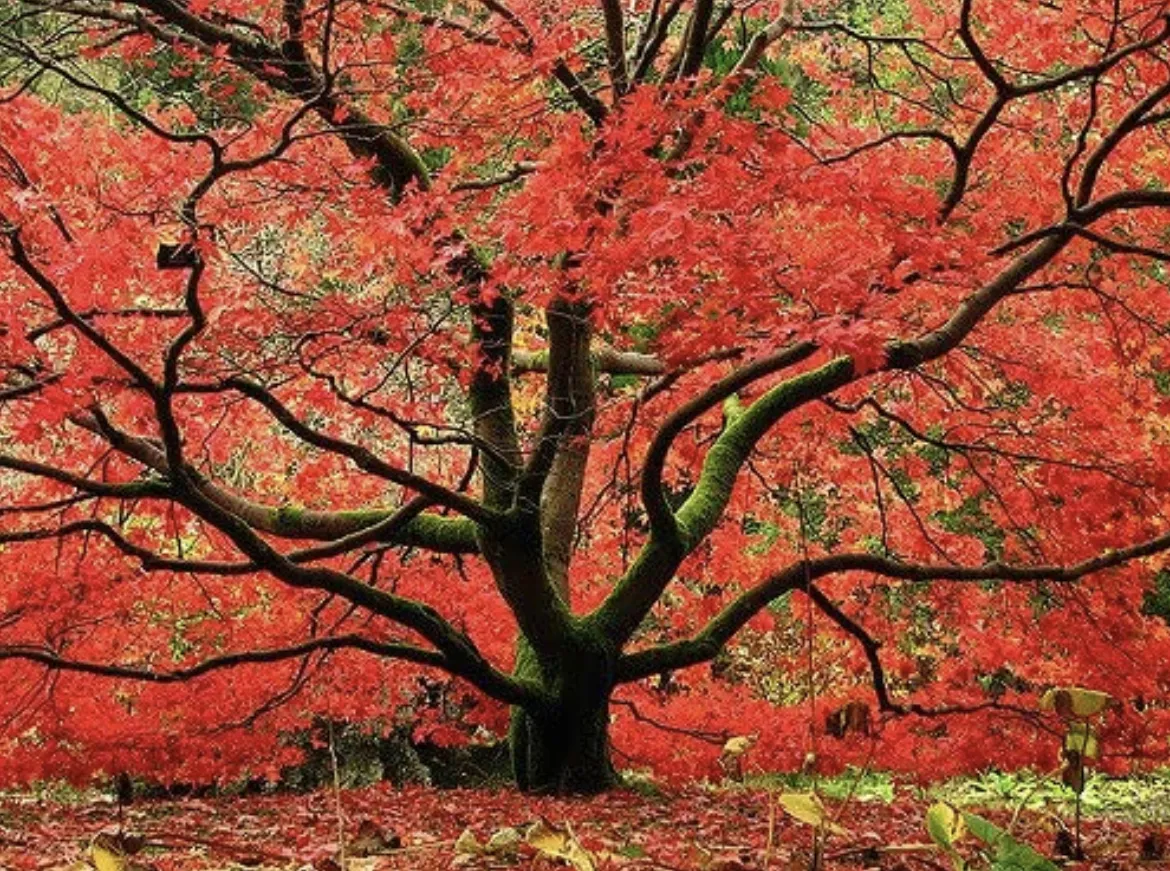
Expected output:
{"points": [[346, 339]]}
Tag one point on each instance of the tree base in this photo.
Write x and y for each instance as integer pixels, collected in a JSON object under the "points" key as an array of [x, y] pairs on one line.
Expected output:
{"points": [[563, 755]]}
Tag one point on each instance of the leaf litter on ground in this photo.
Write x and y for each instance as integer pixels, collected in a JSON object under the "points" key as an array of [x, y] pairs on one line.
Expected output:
{"points": [[734, 829]]}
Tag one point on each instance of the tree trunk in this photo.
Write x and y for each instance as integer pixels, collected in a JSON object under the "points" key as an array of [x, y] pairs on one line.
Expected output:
{"points": [[564, 754], [565, 749]]}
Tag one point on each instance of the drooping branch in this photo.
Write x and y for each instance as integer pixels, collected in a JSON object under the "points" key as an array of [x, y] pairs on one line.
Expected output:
{"points": [[385, 530], [871, 648], [128, 490], [289, 68], [1102, 467], [53, 660], [323, 525], [1006, 91], [21, 259], [462, 656]]}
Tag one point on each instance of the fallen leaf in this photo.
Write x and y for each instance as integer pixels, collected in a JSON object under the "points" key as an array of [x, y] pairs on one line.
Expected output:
{"points": [[504, 840], [467, 844], [806, 807], [105, 855], [559, 844], [371, 841]]}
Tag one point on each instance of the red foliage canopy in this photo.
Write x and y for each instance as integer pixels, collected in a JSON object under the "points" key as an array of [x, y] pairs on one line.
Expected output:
{"points": [[822, 342]]}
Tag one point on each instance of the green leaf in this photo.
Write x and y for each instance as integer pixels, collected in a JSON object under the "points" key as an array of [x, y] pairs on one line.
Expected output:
{"points": [[1009, 854], [946, 827]]}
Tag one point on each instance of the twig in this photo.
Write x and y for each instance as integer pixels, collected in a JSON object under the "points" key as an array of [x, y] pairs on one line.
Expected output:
{"points": [[717, 738], [337, 798], [771, 830]]}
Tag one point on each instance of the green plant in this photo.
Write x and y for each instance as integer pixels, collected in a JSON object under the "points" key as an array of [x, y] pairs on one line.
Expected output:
{"points": [[1076, 707], [997, 847]]}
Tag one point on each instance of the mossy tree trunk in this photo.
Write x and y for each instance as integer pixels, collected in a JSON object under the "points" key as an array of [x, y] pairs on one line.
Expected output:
{"points": [[564, 747]]}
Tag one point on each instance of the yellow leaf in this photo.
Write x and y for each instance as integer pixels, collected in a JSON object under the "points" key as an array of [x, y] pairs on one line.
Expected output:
{"points": [[467, 845], [1081, 739], [739, 745], [105, 858], [504, 840], [806, 807], [1074, 701], [559, 844]]}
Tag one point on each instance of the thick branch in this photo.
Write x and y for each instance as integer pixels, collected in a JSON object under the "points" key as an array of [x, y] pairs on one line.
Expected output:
{"points": [[662, 521], [570, 410], [462, 656], [128, 490], [615, 46], [724, 625], [362, 457], [490, 394], [152, 561], [673, 536], [429, 531], [608, 361], [696, 38], [288, 68]]}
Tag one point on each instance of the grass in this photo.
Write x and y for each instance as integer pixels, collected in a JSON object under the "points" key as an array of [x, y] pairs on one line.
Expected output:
{"points": [[1136, 800], [861, 785]]}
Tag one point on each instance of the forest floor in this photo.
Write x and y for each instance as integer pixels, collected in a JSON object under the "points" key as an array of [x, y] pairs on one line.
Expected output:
{"points": [[878, 824]]}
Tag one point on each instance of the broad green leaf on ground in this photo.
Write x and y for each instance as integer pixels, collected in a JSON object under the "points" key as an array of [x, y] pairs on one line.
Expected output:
{"points": [[1008, 854], [944, 824]]}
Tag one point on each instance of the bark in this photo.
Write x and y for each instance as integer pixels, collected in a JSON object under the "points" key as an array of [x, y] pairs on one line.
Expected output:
{"points": [[564, 747], [567, 754], [569, 422]]}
